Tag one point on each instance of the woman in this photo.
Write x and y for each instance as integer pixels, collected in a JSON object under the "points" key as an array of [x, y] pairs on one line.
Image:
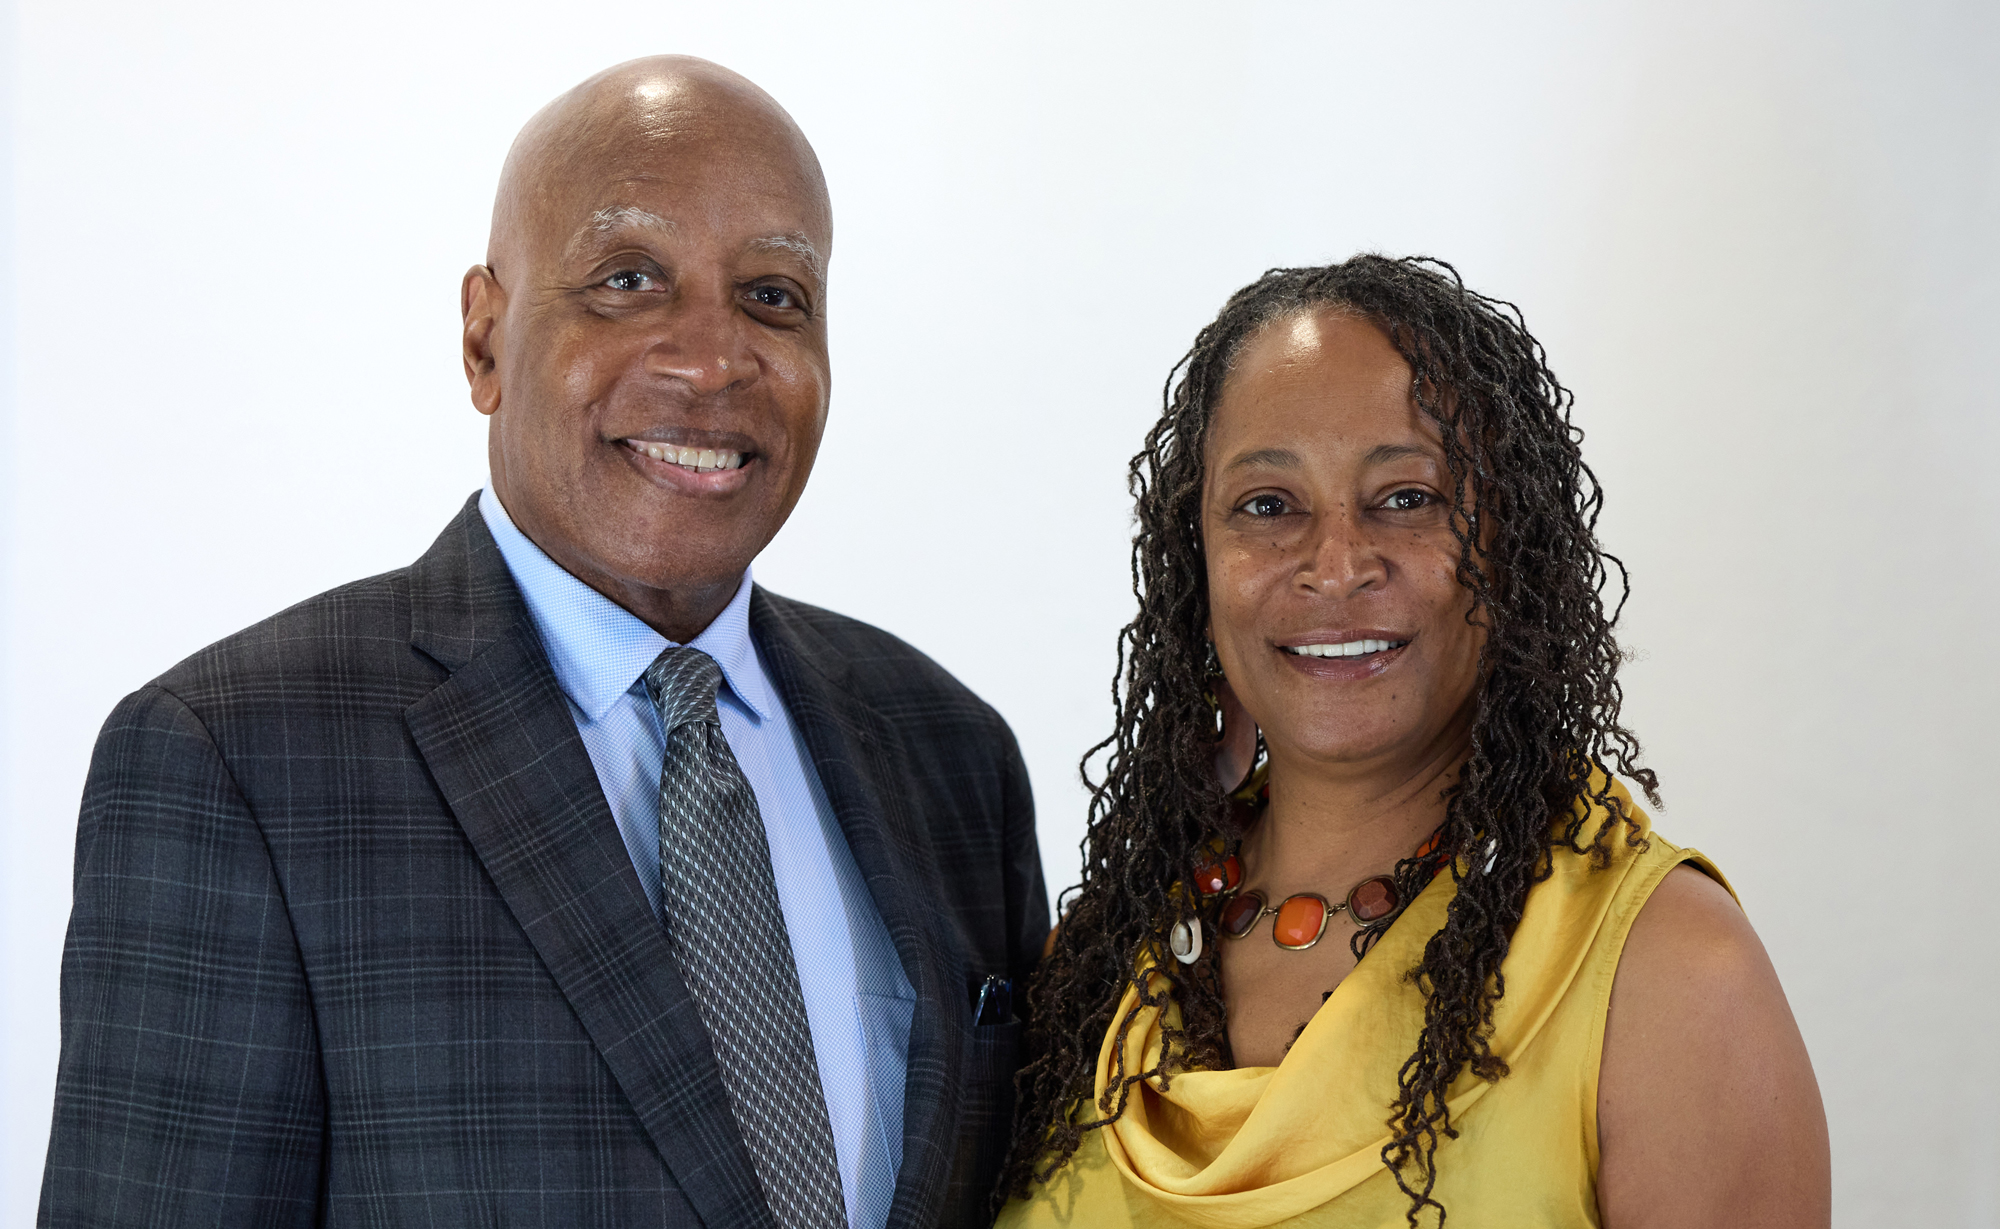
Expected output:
{"points": [[1437, 963]]}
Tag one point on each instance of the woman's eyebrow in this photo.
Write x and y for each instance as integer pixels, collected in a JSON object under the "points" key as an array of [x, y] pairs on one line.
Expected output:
{"points": [[1382, 453], [1280, 458], [1285, 458]]}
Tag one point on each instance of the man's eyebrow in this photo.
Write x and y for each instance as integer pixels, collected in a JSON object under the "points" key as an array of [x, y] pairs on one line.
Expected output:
{"points": [[797, 245], [616, 218]]}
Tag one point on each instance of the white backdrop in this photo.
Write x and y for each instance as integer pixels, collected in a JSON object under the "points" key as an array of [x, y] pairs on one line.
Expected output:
{"points": [[1761, 241]]}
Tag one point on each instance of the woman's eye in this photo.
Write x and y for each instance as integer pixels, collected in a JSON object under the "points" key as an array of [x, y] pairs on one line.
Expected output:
{"points": [[1264, 505], [630, 279], [1408, 500], [773, 296]]}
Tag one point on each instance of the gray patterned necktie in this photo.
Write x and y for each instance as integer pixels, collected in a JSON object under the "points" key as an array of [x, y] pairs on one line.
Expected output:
{"points": [[728, 933]]}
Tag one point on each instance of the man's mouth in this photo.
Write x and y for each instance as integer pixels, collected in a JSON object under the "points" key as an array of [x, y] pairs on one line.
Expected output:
{"points": [[1346, 648], [700, 460]]}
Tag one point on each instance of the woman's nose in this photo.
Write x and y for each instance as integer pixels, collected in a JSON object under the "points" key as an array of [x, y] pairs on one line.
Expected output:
{"points": [[1343, 559]]}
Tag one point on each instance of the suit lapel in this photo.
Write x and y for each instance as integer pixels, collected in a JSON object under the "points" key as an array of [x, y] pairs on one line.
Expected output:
{"points": [[499, 740], [857, 756]]}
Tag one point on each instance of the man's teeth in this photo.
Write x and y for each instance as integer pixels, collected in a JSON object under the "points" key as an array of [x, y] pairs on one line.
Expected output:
{"points": [[1353, 648], [702, 460]]}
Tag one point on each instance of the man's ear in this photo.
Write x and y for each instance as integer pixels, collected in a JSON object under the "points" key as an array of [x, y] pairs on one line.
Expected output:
{"points": [[481, 303]]}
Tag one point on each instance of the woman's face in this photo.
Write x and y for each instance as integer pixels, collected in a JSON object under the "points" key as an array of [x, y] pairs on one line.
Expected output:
{"points": [[1333, 597]]}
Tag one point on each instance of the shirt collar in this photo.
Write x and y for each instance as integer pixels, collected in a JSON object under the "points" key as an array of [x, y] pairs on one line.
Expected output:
{"points": [[598, 649]]}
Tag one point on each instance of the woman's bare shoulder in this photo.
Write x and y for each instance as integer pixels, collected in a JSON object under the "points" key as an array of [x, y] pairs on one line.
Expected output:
{"points": [[1708, 1112], [1692, 926]]}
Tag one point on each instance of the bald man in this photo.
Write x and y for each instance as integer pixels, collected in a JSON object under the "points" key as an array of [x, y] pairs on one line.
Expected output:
{"points": [[566, 877]]}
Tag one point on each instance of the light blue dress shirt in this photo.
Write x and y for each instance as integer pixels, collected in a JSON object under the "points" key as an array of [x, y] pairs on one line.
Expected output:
{"points": [[858, 1000]]}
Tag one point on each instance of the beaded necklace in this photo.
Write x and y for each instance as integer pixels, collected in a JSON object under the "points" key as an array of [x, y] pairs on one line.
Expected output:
{"points": [[1300, 919]]}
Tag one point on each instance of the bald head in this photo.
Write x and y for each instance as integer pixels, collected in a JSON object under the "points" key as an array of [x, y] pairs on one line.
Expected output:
{"points": [[648, 332], [637, 120]]}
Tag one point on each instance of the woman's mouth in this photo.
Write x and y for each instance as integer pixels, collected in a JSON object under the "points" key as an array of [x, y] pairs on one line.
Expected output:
{"points": [[1345, 648]]}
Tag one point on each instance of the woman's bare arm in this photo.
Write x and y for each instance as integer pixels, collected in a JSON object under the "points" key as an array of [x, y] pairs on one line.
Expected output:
{"points": [[1707, 1110]]}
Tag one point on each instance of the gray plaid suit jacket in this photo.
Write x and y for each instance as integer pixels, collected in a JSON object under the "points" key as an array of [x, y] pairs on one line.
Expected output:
{"points": [[356, 941]]}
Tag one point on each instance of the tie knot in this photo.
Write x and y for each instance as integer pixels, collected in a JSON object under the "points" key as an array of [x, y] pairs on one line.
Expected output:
{"points": [[682, 682]]}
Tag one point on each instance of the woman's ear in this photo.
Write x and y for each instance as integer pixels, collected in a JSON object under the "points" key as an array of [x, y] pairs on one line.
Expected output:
{"points": [[1236, 749]]}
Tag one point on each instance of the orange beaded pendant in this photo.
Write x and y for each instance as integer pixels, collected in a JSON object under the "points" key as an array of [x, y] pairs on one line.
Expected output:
{"points": [[1301, 921]]}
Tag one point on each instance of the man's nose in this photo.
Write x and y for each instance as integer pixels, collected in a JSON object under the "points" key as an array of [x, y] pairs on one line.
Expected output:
{"points": [[704, 345], [1343, 558]]}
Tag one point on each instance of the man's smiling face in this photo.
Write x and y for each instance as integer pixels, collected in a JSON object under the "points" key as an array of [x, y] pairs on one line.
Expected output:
{"points": [[650, 334]]}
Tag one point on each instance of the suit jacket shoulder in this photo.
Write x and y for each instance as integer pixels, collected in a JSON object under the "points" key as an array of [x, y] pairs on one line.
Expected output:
{"points": [[412, 626], [889, 671], [339, 669], [362, 627]]}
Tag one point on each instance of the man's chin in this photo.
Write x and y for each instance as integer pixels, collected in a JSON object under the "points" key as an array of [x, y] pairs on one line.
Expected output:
{"points": [[684, 555], [675, 596]]}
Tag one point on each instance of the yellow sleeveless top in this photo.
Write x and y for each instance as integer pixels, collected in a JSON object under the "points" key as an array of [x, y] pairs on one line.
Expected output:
{"points": [[1300, 1144]]}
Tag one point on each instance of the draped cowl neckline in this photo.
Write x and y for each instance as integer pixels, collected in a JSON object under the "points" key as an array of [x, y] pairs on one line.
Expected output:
{"points": [[1258, 1146]]}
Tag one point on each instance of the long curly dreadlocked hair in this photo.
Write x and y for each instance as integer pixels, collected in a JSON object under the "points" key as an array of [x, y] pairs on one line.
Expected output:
{"points": [[1547, 714]]}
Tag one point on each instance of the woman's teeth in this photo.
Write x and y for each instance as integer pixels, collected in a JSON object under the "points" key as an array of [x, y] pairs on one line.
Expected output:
{"points": [[701, 460], [1352, 648]]}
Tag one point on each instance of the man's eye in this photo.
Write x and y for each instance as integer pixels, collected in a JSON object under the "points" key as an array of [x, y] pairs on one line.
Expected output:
{"points": [[1264, 505], [1408, 500], [630, 279], [774, 296]]}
